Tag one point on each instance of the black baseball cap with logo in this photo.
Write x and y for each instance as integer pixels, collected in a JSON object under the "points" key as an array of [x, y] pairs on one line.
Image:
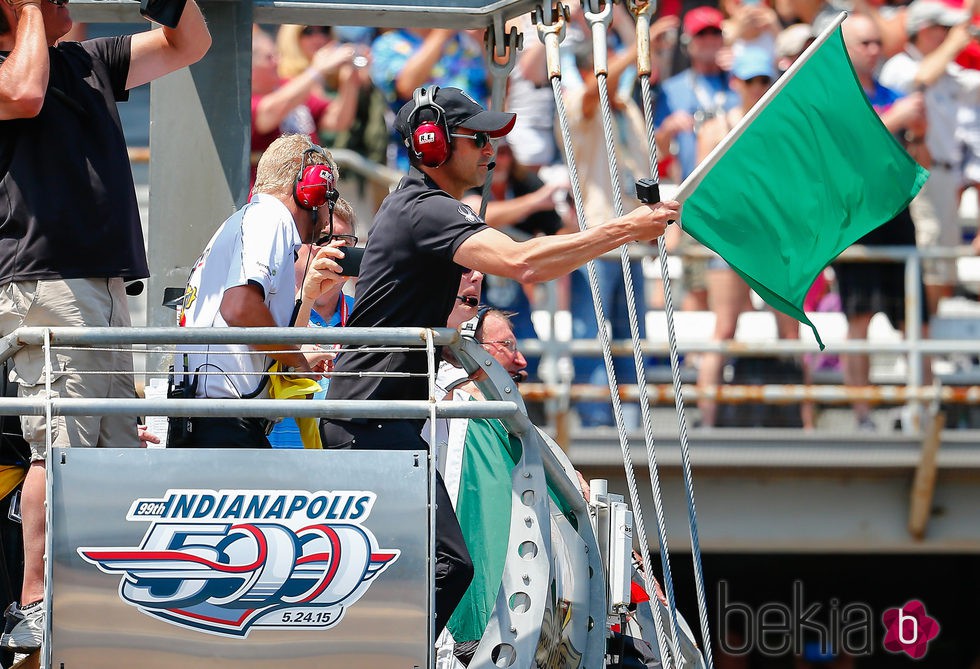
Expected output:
{"points": [[461, 110]]}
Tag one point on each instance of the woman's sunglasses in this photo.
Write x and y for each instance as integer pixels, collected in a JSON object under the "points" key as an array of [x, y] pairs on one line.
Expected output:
{"points": [[309, 31]]}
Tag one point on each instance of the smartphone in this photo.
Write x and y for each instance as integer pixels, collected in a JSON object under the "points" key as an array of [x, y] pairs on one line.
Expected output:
{"points": [[350, 264]]}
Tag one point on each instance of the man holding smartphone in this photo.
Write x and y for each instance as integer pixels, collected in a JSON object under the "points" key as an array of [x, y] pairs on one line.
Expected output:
{"points": [[422, 240]]}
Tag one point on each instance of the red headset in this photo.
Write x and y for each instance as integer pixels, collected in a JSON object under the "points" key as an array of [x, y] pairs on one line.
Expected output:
{"points": [[429, 141], [315, 182]]}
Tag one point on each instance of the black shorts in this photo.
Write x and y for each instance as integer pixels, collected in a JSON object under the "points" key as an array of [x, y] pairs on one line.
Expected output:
{"points": [[870, 287]]}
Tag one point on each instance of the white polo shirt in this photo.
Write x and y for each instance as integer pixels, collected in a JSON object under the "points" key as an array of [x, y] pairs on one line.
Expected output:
{"points": [[955, 89], [257, 244]]}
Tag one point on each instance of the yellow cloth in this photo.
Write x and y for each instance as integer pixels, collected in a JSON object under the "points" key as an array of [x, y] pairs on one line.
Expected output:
{"points": [[292, 388], [10, 477]]}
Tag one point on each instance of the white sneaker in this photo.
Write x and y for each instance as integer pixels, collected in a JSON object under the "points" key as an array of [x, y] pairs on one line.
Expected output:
{"points": [[24, 629]]}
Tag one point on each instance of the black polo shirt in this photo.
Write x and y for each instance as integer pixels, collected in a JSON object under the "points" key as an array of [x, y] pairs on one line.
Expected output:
{"points": [[67, 204], [408, 279]]}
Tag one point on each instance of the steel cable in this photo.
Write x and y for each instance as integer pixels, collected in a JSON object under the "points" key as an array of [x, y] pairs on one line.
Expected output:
{"points": [[647, 97]]}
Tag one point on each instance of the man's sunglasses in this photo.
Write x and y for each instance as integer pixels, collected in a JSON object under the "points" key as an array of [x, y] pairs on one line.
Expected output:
{"points": [[60, 3], [349, 240], [480, 138], [714, 32]]}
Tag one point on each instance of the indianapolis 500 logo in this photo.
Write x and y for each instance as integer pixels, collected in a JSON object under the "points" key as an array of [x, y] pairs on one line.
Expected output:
{"points": [[227, 561]]}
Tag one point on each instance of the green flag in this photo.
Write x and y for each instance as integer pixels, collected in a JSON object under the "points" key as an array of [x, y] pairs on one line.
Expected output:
{"points": [[483, 508], [810, 175]]}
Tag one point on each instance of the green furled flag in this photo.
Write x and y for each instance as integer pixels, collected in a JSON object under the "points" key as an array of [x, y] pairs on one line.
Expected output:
{"points": [[479, 467], [811, 174]]}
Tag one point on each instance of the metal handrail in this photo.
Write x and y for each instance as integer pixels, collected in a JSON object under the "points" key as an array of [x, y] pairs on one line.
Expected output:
{"points": [[412, 338]]}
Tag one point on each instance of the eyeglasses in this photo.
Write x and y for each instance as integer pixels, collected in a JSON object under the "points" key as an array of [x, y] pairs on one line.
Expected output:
{"points": [[481, 139], [309, 31], [349, 240], [508, 344], [469, 300], [762, 79]]}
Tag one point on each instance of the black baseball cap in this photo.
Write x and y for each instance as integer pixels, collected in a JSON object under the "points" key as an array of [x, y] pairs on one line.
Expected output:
{"points": [[461, 110]]}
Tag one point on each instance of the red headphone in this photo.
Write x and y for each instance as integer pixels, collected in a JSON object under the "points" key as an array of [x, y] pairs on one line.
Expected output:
{"points": [[429, 141], [315, 182]]}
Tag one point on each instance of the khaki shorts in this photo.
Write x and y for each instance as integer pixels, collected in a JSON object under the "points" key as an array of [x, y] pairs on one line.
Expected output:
{"points": [[935, 212], [72, 302]]}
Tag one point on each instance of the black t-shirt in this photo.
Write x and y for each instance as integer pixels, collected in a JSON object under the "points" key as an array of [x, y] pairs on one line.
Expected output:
{"points": [[408, 279], [67, 203]]}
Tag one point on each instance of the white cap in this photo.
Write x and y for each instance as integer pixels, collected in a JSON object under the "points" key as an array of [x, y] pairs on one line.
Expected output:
{"points": [[924, 13]]}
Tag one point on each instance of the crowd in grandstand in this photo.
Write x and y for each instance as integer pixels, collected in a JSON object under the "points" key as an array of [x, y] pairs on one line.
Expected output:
{"points": [[917, 62]]}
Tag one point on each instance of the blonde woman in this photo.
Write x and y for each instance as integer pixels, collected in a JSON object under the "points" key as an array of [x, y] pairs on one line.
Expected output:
{"points": [[349, 88]]}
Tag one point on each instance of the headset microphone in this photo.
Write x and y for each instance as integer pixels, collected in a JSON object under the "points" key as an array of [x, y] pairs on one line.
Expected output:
{"points": [[492, 164]]}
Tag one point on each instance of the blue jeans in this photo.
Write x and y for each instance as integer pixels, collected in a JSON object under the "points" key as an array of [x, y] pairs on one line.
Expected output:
{"points": [[612, 293]]}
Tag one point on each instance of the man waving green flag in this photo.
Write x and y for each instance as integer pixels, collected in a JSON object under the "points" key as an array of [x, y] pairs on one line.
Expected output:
{"points": [[807, 173]]}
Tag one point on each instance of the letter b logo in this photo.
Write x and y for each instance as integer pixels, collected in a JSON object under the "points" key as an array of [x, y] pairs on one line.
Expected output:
{"points": [[909, 629]]}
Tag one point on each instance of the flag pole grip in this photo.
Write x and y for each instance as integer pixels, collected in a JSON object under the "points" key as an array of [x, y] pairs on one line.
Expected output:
{"points": [[648, 192]]}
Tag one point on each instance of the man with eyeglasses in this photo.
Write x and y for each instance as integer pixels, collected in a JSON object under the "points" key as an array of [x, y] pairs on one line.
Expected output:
{"points": [[323, 302], [422, 239], [469, 447], [71, 230]]}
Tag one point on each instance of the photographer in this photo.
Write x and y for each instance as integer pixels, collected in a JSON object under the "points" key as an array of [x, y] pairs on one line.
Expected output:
{"points": [[323, 302], [71, 232], [246, 278], [925, 69]]}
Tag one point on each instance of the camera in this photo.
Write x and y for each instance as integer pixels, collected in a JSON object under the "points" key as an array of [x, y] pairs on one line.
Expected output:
{"points": [[164, 12]]}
